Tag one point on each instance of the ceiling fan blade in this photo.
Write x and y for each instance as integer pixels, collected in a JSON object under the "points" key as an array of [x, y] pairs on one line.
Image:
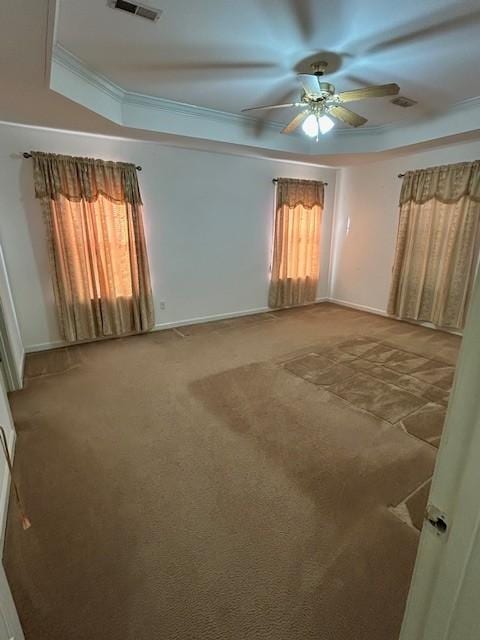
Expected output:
{"points": [[436, 24], [309, 83], [345, 115], [302, 13], [376, 91], [274, 106], [296, 122]]}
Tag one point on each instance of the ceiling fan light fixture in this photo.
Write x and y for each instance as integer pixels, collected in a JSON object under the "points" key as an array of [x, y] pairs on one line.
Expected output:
{"points": [[320, 102], [325, 124], [310, 126]]}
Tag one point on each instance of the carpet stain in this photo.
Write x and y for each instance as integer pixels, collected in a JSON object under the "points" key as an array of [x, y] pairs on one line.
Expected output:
{"points": [[350, 467], [393, 384]]}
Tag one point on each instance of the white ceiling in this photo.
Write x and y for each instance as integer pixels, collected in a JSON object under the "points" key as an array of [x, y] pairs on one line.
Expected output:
{"points": [[231, 54], [225, 55]]}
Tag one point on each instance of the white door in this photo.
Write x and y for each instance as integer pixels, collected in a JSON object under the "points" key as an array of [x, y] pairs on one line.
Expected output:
{"points": [[444, 603], [10, 628], [9, 624]]}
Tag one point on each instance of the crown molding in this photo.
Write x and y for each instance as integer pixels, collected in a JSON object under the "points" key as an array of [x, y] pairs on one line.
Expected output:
{"points": [[454, 109], [161, 115], [70, 62], [467, 103], [183, 108]]}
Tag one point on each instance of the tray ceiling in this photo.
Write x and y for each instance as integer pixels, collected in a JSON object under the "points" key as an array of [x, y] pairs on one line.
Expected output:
{"points": [[227, 55], [185, 79]]}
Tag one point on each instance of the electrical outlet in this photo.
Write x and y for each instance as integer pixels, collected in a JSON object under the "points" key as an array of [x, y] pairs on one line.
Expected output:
{"points": [[162, 305]]}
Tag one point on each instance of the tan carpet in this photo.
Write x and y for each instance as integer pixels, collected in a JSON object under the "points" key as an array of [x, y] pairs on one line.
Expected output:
{"points": [[186, 485]]}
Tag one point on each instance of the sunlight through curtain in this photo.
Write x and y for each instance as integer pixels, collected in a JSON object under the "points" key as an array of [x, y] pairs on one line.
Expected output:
{"points": [[93, 211], [296, 249], [437, 245]]}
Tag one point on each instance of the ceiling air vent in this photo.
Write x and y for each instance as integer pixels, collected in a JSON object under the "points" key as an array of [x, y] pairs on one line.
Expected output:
{"points": [[136, 9], [401, 101]]}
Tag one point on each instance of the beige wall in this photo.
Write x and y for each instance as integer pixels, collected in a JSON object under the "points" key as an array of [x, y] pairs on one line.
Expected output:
{"points": [[365, 223], [208, 223]]}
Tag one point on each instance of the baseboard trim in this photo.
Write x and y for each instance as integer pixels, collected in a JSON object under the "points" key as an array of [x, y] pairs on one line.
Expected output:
{"points": [[45, 346], [221, 316], [359, 307], [161, 326], [379, 312], [210, 318]]}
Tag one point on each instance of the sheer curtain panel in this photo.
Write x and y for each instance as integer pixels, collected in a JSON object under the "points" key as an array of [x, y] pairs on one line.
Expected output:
{"points": [[437, 244], [296, 244], [98, 257]]}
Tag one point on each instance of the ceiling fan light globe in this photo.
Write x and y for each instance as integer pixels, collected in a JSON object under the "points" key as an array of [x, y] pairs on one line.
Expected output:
{"points": [[310, 126], [325, 124]]}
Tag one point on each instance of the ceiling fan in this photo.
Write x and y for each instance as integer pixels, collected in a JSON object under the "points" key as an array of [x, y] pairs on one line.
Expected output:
{"points": [[319, 101]]}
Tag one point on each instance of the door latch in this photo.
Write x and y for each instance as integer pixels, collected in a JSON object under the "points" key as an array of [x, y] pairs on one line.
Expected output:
{"points": [[436, 519]]}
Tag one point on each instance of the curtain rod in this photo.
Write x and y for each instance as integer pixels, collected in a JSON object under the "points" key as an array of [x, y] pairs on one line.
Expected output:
{"points": [[25, 154], [400, 175], [277, 179]]}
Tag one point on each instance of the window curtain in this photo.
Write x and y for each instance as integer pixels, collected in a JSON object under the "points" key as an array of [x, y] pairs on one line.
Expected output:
{"points": [[296, 245], [93, 212], [437, 245]]}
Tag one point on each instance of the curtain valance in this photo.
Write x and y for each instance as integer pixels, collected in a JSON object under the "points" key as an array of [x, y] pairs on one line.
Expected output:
{"points": [[98, 255], [307, 193], [84, 178], [448, 183]]}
